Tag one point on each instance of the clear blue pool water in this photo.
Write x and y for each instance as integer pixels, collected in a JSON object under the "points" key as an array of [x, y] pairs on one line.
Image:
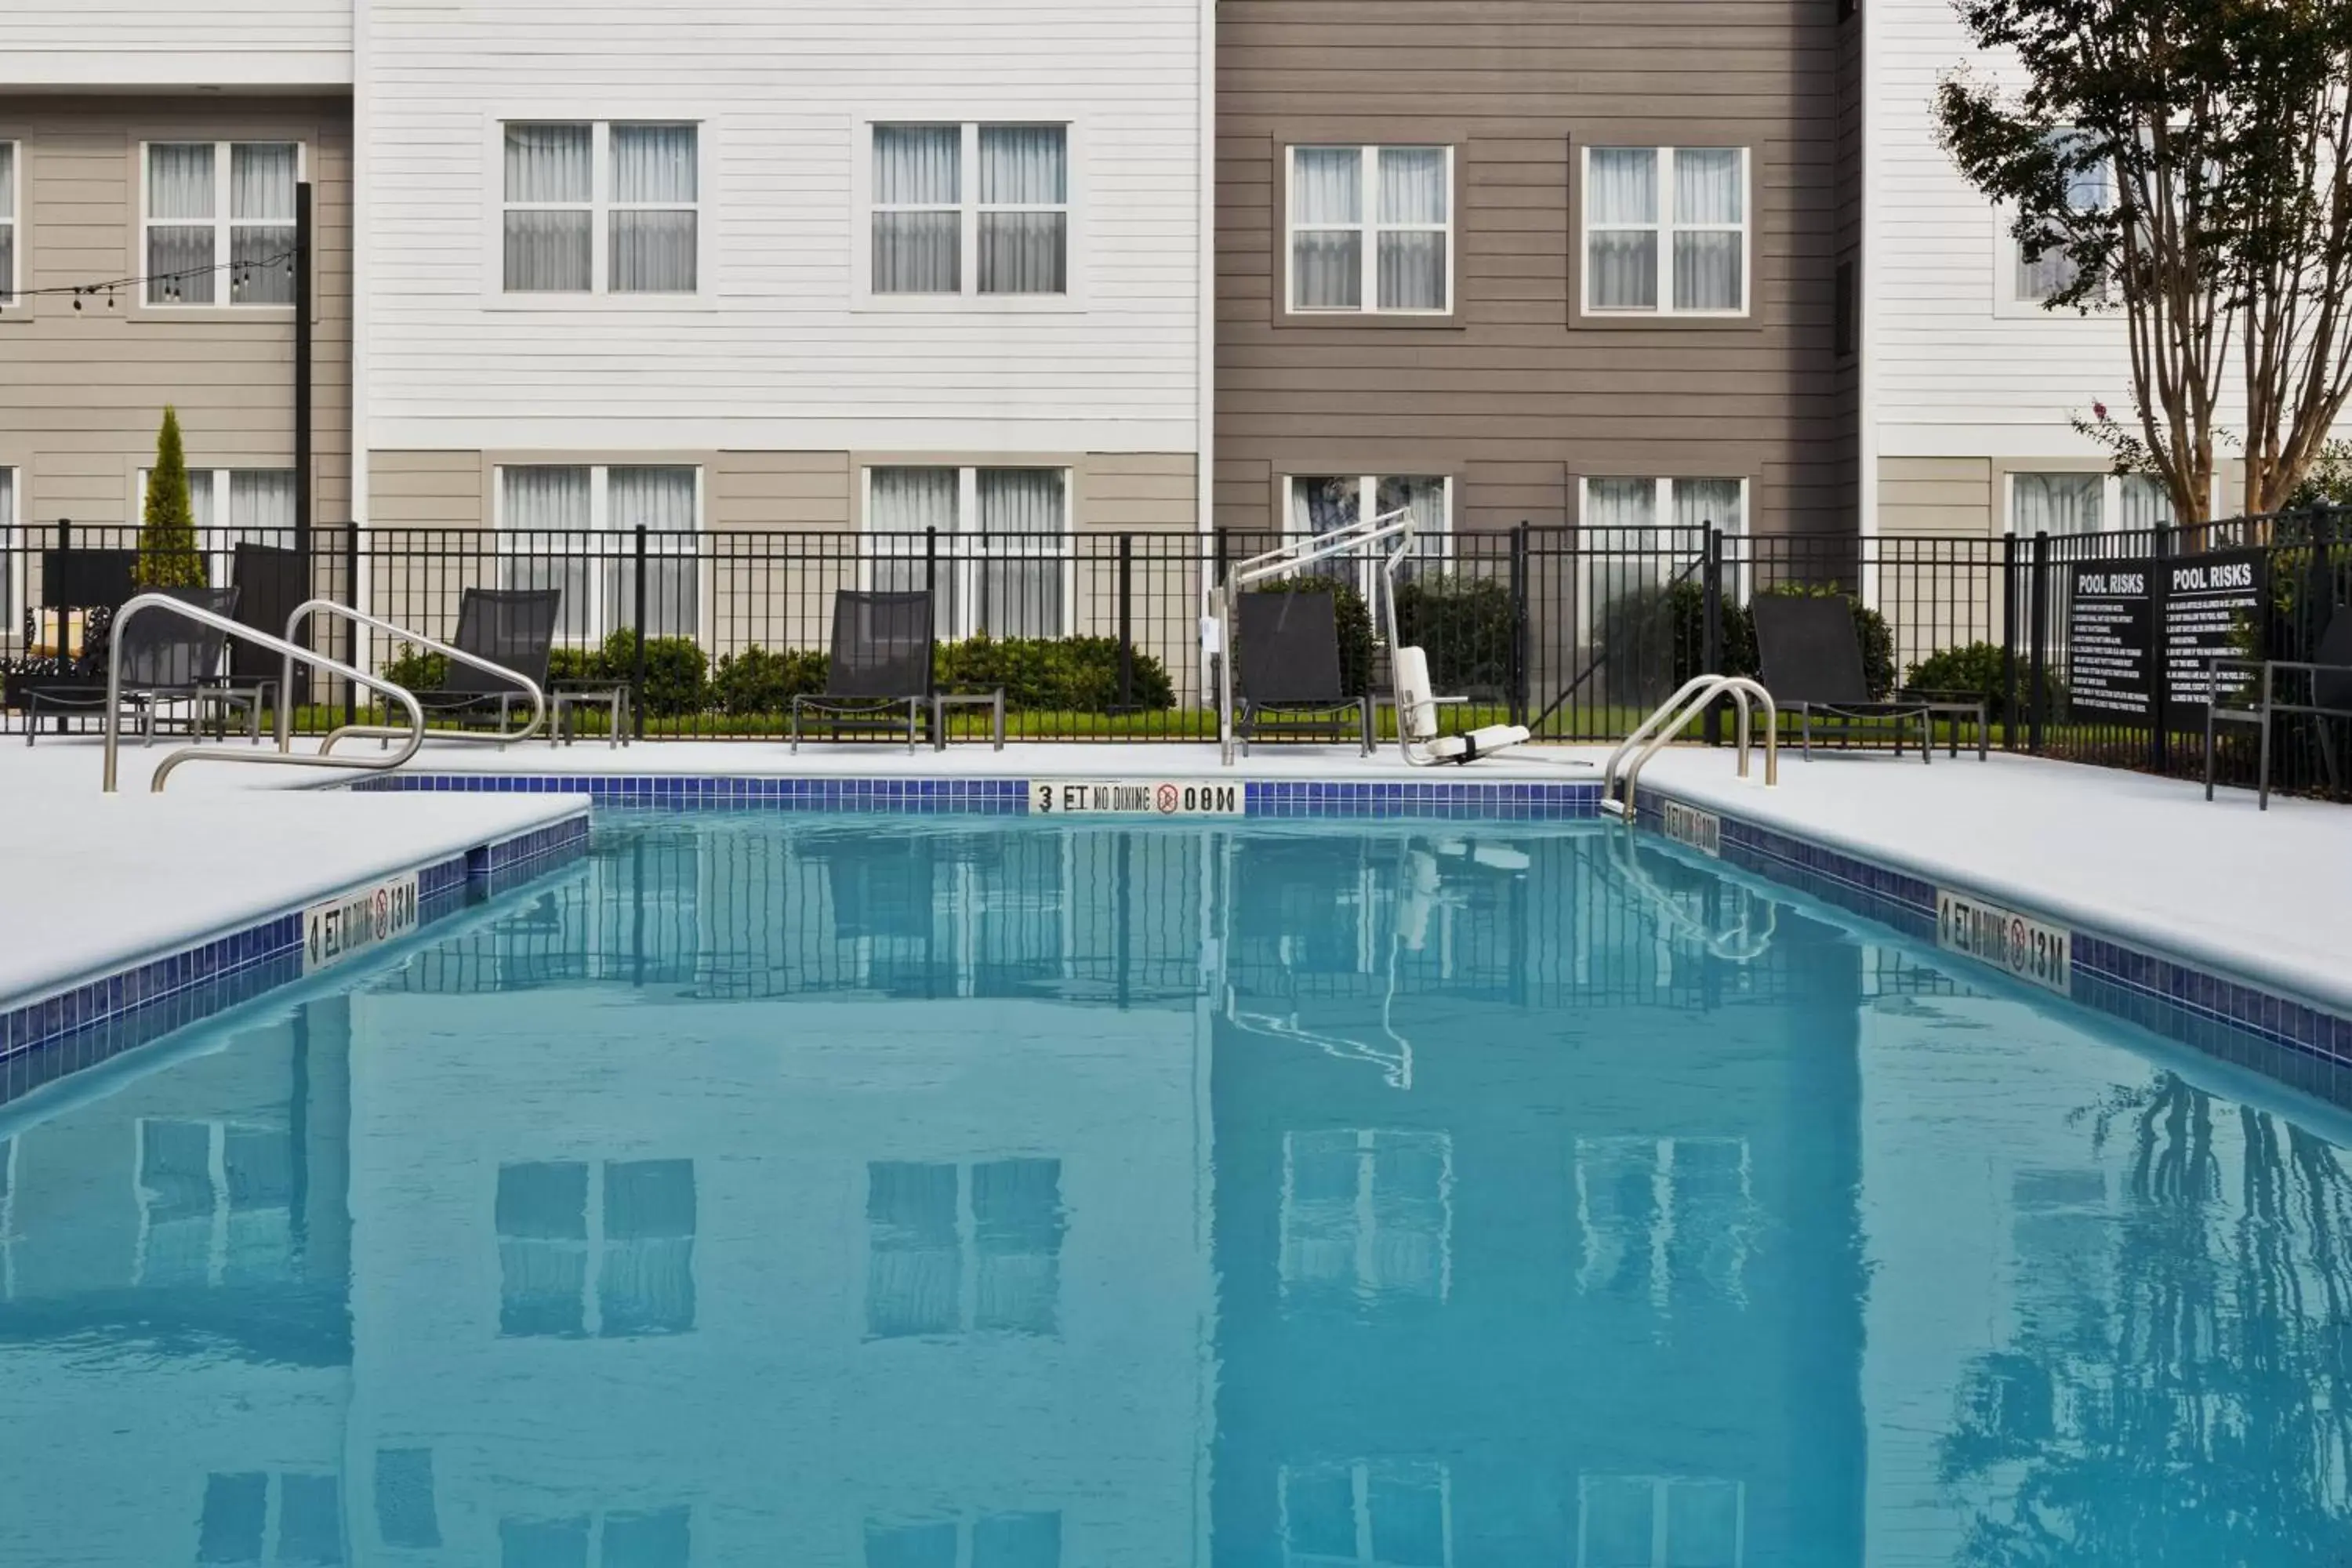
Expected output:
{"points": [[927, 1195]]}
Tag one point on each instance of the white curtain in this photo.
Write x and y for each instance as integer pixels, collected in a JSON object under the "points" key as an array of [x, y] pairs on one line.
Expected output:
{"points": [[180, 185], [1326, 189], [2056, 503], [653, 251], [1024, 252], [1424, 496], [7, 222], [1022, 519], [901, 503], [1621, 503], [1697, 502], [920, 167], [544, 516], [1708, 190], [2047, 275], [661, 501], [261, 179], [1413, 182], [1621, 208], [2144, 501], [549, 250]]}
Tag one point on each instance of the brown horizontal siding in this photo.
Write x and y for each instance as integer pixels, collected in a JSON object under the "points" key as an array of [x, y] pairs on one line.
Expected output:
{"points": [[1515, 396]]}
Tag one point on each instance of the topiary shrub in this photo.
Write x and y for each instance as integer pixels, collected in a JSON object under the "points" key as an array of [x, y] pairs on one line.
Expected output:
{"points": [[1467, 625], [1355, 622], [1973, 669], [1056, 674], [676, 672], [762, 680], [168, 557]]}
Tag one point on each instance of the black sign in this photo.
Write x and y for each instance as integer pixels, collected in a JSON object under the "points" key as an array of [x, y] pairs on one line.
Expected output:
{"points": [[2109, 667], [2212, 605]]}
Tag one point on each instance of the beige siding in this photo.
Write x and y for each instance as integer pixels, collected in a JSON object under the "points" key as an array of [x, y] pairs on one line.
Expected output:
{"points": [[778, 491], [85, 389], [1136, 490], [427, 489], [1948, 496]]}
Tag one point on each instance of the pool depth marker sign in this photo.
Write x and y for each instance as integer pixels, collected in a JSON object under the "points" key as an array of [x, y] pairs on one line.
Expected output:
{"points": [[1133, 798], [2023, 947], [339, 928]]}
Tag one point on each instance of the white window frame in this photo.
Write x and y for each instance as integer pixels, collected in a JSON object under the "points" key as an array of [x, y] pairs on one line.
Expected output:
{"points": [[599, 522], [1665, 228], [600, 206], [2006, 255], [1368, 229], [1360, 1475], [1734, 579], [217, 1161], [1662, 1153], [224, 226], [968, 297], [1661, 1514], [12, 215], [2111, 498], [965, 623], [968, 1250], [1367, 1216], [1369, 572]]}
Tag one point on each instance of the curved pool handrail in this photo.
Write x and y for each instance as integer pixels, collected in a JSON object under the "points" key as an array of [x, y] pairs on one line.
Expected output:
{"points": [[344, 611]]}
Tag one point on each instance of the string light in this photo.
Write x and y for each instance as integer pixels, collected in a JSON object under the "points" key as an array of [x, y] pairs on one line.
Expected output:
{"points": [[170, 283]]}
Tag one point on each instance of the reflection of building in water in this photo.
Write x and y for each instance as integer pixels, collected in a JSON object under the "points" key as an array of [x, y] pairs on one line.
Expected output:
{"points": [[175, 1349]]}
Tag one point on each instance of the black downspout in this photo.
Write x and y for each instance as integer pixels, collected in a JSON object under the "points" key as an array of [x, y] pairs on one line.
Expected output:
{"points": [[303, 461]]}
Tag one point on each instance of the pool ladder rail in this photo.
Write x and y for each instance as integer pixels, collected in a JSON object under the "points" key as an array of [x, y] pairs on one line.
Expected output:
{"points": [[1664, 724], [411, 735]]}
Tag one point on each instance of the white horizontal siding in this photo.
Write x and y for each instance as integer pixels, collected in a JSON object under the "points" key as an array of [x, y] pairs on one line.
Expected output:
{"points": [[238, 43], [778, 355]]}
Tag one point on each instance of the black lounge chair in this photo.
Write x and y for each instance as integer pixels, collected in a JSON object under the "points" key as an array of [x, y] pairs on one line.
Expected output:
{"points": [[2330, 671], [162, 658], [66, 633], [1286, 662], [1811, 659], [510, 627], [877, 674]]}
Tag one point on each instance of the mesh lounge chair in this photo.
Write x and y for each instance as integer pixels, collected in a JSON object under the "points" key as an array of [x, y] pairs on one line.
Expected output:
{"points": [[1288, 662], [1812, 665], [66, 633], [162, 658], [880, 663], [510, 627], [2330, 670]]}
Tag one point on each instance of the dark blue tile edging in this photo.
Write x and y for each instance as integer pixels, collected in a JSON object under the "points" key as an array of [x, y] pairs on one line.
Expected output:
{"points": [[1479, 800], [86, 1024], [2221, 1015]]}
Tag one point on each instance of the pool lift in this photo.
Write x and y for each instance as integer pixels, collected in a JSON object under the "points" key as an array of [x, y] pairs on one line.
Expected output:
{"points": [[1418, 740]]}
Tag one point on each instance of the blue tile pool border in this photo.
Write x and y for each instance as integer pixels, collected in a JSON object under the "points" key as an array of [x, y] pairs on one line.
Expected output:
{"points": [[2222, 1015], [96, 1019]]}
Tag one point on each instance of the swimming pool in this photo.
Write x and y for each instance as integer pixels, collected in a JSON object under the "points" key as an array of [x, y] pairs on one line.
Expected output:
{"points": [[960, 1194]]}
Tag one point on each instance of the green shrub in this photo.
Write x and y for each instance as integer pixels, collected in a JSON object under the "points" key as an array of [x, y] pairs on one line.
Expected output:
{"points": [[1355, 623], [1654, 640], [761, 681], [417, 669], [1055, 674], [676, 672], [581, 664], [168, 557], [1467, 625], [1973, 669]]}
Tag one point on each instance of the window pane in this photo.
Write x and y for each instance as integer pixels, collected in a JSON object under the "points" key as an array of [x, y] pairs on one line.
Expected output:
{"points": [[2145, 503], [914, 1262], [1021, 515], [2057, 503], [548, 252], [1408, 1509], [1327, 270], [175, 1168], [1707, 187], [910, 500], [1701, 502], [261, 177], [918, 253], [7, 180], [1027, 166], [1424, 496], [1621, 503], [662, 1537], [179, 265], [1624, 269], [179, 180], [1021, 501], [1024, 253], [1412, 184], [1318, 505], [910, 1545], [1016, 1210], [654, 252], [543, 513], [1327, 185], [1702, 1524], [917, 165], [654, 163], [264, 269], [538, 498], [7, 263], [405, 1511], [1624, 186], [550, 163], [543, 1543], [1017, 1541], [2050, 272], [1413, 270], [235, 1519], [309, 1520], [1318, 1512], [1620, 1527], [1707, 271], [661, 499]]}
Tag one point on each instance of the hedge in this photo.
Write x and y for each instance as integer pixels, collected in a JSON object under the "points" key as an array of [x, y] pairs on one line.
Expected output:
{"points": [[1468, 628]]}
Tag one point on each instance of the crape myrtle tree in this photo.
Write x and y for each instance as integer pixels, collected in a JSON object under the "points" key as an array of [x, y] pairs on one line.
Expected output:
{"points": [[2192, 160]]}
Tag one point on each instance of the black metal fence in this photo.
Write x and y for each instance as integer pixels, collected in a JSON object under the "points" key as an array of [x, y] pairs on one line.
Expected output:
{"points": [[1095, 635]]}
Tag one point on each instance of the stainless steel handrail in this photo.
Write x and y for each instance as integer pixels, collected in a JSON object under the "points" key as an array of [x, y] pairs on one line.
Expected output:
{"points": [[1667, 720], [281, 757], [333, 608]]}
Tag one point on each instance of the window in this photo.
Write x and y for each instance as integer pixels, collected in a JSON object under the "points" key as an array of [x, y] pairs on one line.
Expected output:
{"points": [[938, 231], [991, 544], [1367, 1216], [8, 223], [232, 507], [1323, 503], [1375, 1513], [1665, 230], [1371, 229], [1656, 1521], [405, 1511], [919, 1234], [987, 1540], [639, 1538], [215, 1203], [598, 207], [1663, 1218], [572, 527], [641, 1243], [2086, 503], [235, 1526], [2033, 280], [217, 210]]}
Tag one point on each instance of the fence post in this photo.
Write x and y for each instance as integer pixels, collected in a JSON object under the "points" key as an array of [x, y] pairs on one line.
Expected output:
{"points": [[2037, 662], [1711, 652], [1519, 623], [1213, 668], [65, 533], [2011, 612], [351, 627], [1127, 621], [2161, 548], [638, 674]]}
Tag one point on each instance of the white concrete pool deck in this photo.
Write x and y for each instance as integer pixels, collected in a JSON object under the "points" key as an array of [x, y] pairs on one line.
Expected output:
{"points": [[2267, 896]]}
